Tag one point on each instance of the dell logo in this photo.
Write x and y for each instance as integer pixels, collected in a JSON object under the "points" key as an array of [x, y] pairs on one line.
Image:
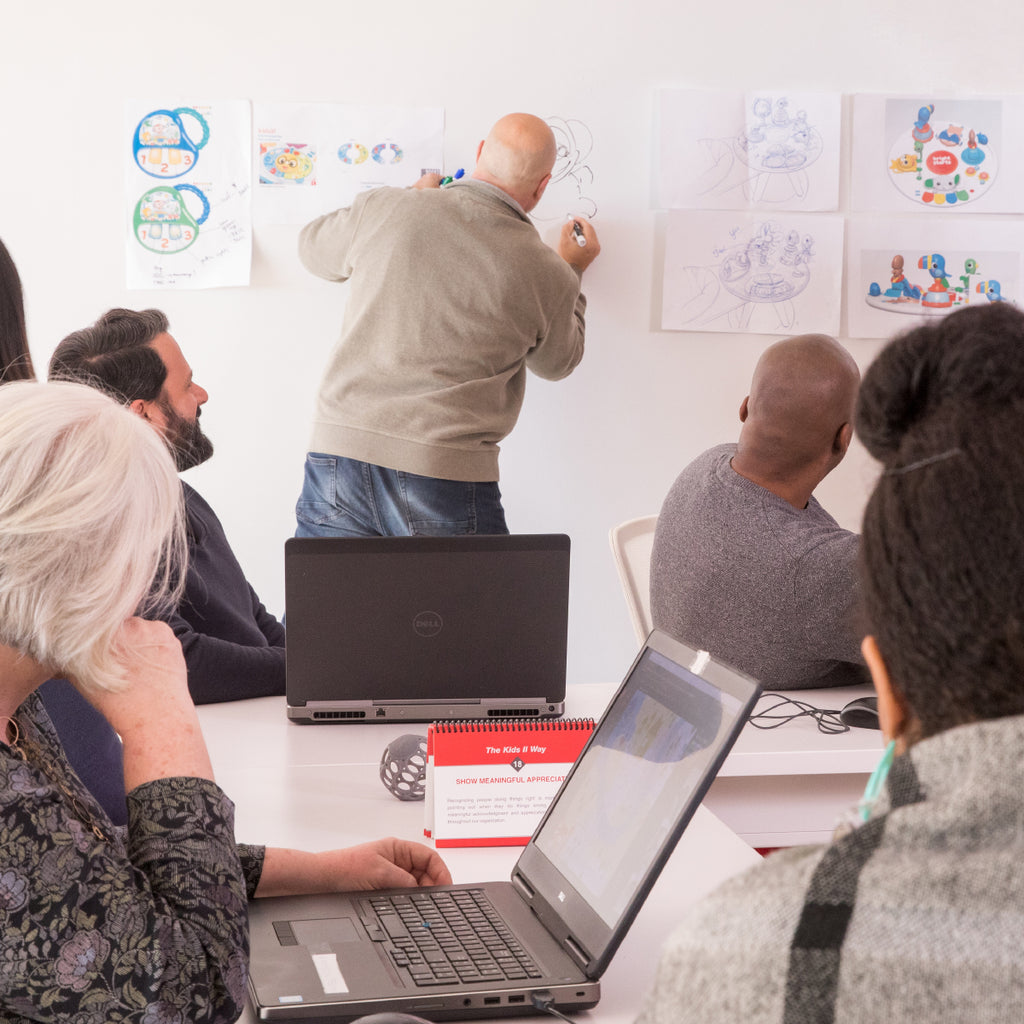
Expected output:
{"points": [[427, 623]]}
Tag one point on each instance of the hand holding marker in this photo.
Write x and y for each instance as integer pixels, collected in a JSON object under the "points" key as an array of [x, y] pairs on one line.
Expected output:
{"points": [[449, 178]]}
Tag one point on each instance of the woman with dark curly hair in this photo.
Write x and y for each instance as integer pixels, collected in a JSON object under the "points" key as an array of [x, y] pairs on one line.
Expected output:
{"points": [[915, 912]]}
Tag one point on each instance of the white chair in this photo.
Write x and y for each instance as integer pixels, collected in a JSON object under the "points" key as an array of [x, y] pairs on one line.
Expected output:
{"points": [[631, 543]]}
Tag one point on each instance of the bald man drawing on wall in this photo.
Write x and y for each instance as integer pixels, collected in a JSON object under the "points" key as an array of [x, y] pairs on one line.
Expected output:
{"points": [[451, 297], [746, 563]]}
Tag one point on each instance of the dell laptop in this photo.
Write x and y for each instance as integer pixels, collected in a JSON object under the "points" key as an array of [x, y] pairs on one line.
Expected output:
{"points": [[418, 629], [547, 934]]}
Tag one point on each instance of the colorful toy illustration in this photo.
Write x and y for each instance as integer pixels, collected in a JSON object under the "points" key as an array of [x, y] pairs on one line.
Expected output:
{"points": [[922, 131], [162, 146], [163, 223], [293, 163], [353, 153], [940, 296], [906, 164], [768, 266], [387, 153], [941, 170]]}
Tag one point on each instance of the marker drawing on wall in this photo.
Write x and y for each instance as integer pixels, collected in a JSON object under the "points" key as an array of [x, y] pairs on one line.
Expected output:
{"points": [[899, 270], [187, 186], [736, 272], [737, 151], [312, 158], [568, 193], [926, 154]]}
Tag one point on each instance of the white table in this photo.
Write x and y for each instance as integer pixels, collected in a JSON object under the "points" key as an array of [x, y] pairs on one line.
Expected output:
{"points": [[317, 787], [790, 785], [784, 786]]}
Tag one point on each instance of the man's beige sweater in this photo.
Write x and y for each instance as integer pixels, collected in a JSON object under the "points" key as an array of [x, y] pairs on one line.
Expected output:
{"points": [[452, 295]]}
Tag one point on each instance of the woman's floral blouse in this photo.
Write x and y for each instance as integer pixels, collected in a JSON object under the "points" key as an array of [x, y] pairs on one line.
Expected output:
{"points": [[148, 924]]}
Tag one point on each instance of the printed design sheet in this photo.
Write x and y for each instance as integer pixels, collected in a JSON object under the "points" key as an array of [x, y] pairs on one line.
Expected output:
{"points": [[904, 271], [925, 154], [309, 159], [187, 193], [752, 273], [767, 149]]}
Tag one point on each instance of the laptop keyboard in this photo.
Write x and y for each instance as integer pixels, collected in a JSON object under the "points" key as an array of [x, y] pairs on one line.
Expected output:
{"points": [[442, 938]]}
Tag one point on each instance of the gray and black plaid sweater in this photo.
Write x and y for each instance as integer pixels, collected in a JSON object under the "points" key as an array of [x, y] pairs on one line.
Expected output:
{"points": [[916, 916]]}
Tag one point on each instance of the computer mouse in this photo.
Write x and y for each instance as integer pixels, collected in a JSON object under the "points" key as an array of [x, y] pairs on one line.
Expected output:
{"points": [[861, 713], [391, 1018]]}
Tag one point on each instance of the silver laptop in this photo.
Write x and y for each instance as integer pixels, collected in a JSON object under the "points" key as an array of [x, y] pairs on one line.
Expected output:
{"points": [[574, 892], [424, 628]]}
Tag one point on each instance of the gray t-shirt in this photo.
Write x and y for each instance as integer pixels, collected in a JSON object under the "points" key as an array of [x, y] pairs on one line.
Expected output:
{"points": [[769, 588]]}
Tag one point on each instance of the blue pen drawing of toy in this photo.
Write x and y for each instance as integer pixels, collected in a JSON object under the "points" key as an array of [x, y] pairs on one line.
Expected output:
{"points": [[162, 146]]}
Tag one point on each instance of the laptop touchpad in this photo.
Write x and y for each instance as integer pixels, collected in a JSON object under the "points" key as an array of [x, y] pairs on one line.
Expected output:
{"points": [[329, 929]]}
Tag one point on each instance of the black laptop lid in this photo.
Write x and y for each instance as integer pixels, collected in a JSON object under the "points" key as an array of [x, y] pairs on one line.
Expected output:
{"points": [[426, 618], [638, 782]]}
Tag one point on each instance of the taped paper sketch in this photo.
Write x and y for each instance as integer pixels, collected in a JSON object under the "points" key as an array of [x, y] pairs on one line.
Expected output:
{"points": [[770, 276], [925, 271], [192, 229], [925, 154], [313, 158], [568, 192], [945, 166], [759, 150]]}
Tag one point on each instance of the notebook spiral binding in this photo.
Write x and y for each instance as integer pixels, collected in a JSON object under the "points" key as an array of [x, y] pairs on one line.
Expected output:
{"points": [[467, 725]]}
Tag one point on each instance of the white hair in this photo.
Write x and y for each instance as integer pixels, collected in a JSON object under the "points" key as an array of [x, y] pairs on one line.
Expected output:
{"points": [[91, 527]]}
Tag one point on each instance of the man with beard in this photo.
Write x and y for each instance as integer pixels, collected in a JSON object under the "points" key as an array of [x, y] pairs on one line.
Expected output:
{"points": [[234, 648]]}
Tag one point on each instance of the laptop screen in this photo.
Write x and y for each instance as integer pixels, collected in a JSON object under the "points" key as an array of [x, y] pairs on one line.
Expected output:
{"points": [[419, 619], [634, 788]]}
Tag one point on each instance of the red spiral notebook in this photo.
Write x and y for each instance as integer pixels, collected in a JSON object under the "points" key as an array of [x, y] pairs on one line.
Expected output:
{"points": [[489, 782]]}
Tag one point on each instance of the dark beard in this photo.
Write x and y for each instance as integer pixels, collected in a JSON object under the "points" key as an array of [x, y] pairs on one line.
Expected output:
{"points": [[189, 445]]}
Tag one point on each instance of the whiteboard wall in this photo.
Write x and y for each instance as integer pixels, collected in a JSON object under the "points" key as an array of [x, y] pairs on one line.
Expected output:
{"points": [[589, 452]]}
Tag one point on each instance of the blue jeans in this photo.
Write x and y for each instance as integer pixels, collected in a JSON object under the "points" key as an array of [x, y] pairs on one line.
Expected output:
{"points": [[346, 498]]}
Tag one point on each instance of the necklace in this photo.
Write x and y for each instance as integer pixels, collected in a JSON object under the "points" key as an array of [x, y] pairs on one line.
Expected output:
{"points": [[31, 754]]}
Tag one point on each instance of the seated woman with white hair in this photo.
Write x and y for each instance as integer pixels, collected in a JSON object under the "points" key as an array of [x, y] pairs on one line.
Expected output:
{"points": [[102, 923]]}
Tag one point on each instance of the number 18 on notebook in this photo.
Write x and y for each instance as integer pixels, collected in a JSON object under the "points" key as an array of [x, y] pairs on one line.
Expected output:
{"points": [[489, 783]]}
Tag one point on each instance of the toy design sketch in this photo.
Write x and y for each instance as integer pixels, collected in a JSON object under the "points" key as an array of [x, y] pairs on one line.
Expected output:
{"points": [[768, 161], [162, 146], [567, 194], [768, 266], [732, 272], [947, 289], [163, 223], [736, 151], [943, 160], [189, 229], [293, 163]]}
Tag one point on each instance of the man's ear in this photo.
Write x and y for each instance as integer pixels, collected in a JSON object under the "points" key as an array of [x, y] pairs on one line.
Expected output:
{"points": [[841, 442], [140, 407], [892, 711], [744, 410], [539, 190]]}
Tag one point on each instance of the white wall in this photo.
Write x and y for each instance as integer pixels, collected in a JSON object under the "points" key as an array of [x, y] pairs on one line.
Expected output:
{"points": [[590, 451]]}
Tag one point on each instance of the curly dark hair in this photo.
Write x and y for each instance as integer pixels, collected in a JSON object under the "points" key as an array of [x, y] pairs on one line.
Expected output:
{"points": [[942, 551]]}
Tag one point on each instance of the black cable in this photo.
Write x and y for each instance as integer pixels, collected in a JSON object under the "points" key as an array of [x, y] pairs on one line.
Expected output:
{"points": [[827, 718], [543, 999]]}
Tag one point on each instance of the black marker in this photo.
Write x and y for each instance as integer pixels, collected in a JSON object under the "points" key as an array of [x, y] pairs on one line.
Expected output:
{"points": [[577, 230]]}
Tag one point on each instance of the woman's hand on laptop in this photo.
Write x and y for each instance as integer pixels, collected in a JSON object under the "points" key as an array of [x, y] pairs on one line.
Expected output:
{"points": [[381, 864]]}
